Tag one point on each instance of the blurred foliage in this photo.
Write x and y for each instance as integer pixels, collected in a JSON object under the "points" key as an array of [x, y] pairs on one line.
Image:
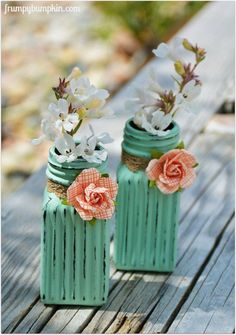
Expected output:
{"points": [[151, 22]]}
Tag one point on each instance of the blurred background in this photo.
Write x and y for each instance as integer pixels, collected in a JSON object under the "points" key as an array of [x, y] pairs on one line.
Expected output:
{"points": [[109, 41]]}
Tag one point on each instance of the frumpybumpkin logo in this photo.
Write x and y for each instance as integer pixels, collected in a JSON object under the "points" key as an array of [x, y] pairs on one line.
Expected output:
{"points": [[47, 9]]}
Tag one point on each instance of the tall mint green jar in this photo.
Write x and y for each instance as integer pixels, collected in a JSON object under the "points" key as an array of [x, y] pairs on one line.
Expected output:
{"points": [[146, 219], [74, 253]]}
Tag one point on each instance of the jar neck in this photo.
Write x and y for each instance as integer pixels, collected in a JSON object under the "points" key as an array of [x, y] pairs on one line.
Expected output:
{"points": [[138, 142], [65, 173]]}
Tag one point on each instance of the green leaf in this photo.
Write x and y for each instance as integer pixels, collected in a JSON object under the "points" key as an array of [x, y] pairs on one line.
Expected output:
{"points": [[105, 175], [195, 165], [180, 145], [180, 189], [93, 221], [65, 202], [152, 183], [156, 154]]}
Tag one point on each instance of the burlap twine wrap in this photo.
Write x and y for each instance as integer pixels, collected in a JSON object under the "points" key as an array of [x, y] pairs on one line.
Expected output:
{"points": [[58, 189], [134, 163]]}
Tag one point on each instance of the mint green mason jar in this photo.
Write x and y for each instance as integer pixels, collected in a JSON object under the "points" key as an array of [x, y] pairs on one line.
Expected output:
{"points": [[146, 219], [74, 253]]}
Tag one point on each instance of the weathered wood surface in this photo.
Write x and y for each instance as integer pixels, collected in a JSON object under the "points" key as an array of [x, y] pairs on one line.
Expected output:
{"points": [[210, 306], [142, 302]]}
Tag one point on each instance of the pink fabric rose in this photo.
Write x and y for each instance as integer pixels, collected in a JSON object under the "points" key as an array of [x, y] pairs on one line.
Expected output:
{"points": [[93, 195], [173, 171]]}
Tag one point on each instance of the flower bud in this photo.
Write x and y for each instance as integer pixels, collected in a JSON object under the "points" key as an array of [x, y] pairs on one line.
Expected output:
{"points": [[75, 73], [179, 68], [187, 45]]}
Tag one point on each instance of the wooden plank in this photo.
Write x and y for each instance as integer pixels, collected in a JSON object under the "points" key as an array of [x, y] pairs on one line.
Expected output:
{"points": [[210, 306], [60, 316], [155, 297], [21, 217], [209, 148], [20, 241]]}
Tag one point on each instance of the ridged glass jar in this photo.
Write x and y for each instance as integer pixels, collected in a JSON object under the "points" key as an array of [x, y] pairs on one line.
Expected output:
{"points": [[146, 219], [74, 253]]}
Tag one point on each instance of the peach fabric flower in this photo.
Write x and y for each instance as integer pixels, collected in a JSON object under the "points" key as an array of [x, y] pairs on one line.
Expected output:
{"points": [[173, 171], [93, 195]]}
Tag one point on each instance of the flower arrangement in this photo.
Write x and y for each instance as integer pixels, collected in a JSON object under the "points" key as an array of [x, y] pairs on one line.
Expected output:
{"points": [[155, 109], [92, 194], [77, 100]]}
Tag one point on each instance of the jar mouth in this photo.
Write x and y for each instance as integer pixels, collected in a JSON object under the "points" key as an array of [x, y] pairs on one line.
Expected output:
{"points": [[53, 153], [173, 130], [138, 142], [66, 172]]}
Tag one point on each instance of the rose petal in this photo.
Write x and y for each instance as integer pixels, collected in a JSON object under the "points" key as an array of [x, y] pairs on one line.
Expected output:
{"points": [[84, 204], [105, 213], [188, 159], [153, 169], [73, 190], [188, 179], [167, 189], [169, 181], [85, 215], [110, 185], [87, 177]]}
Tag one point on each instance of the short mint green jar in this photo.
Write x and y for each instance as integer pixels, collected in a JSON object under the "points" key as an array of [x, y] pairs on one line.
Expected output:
{"points": [[74, 253], [146, 219]]}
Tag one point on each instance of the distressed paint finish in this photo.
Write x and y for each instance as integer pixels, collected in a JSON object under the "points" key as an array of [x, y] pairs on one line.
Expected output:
{"points": [[74, 253], [146, 219]]}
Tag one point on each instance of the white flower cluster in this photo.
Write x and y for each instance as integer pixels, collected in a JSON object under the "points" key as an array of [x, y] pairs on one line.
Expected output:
{"points": [[155, 107], [77, 100]]}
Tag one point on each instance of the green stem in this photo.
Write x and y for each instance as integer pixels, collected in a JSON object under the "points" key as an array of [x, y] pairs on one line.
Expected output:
{"points": [[74, 131]]}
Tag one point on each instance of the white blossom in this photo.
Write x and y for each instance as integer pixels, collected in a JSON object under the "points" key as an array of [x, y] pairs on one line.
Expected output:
{"points": [[172, 51], [67, 120], [83, 90], [156, 123], [67, 148], [51, 129], [89, 152], [154, 85], [144, 100], [190, 92], [138, 117], [95, 110], [89, 100], [64, 118]]}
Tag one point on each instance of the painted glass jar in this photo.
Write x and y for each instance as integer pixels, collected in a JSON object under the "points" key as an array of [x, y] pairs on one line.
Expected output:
{"points": [[146, 219], [74, 253]]}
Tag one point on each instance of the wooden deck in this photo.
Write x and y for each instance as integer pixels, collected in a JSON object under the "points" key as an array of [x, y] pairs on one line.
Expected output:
{"points": [[198, 297]]}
